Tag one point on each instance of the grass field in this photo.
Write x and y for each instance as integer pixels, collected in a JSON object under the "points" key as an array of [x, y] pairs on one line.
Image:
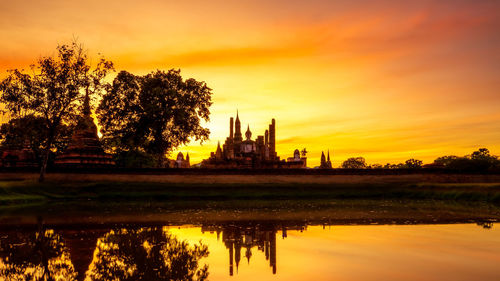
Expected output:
{"points": [[24, 189]]}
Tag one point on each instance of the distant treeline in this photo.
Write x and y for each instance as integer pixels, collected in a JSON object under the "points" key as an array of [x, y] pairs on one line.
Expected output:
{"points": [[478, 161]]}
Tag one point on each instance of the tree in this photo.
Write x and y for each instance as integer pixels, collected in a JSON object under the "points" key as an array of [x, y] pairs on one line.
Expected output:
{"points": [[154, 113], [446, 161], [482, 154], [413, 164], [482, 160], [54, 90], [29, 130], [354, 163], [376, 166], [479, 161]]}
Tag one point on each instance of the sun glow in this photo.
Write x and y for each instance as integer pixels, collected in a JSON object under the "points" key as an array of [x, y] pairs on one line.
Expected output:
{"points": [[383, 80]]}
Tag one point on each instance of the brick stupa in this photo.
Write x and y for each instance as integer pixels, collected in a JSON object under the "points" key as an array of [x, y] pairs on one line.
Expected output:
{"points": [[84, 149]]}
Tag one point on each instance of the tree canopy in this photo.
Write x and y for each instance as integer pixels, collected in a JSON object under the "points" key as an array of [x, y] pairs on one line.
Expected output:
{"points": [[154, 113], [478, 161], [413, 164], [54, 90], [354, 163]]}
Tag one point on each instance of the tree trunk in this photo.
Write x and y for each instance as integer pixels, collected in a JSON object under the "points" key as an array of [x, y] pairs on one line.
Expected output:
{"points": [[45, 160]]}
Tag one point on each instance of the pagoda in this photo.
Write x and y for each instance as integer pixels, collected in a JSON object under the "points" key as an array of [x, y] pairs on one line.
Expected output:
{"points": [[84, 149]]}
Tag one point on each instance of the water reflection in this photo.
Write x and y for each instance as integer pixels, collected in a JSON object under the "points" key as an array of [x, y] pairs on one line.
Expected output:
{"points": [[38, 255], [153, 252], [148, 253]]}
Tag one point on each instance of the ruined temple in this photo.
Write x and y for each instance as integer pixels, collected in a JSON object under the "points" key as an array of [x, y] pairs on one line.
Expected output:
{"points": [[247, 153], [84, 149], [18, 157], [179, 162], [326, 163]]}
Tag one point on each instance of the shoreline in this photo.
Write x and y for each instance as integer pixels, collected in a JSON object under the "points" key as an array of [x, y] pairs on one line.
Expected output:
{"points": [[23, 188], [249, 178], [311, 212]]}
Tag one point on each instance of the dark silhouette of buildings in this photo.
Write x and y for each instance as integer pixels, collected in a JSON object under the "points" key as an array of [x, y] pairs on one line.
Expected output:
{"points": [[325, 162], [18, 157], [248, 153], [84, 149], [180, 161], [297, 158]]}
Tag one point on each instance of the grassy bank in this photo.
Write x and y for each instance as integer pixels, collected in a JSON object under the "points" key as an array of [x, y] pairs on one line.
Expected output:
{"points": [[15, 192]]}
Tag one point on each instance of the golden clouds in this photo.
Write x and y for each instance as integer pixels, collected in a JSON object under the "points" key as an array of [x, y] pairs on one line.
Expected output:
{"points": [[387, 80]]}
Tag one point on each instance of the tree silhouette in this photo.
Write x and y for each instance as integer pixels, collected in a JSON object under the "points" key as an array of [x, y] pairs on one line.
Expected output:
{"points": [[54, 91], [354, 163], [482, 154], [478, 161], [376, 166], [154, 113], [304, 152], [146, 254], [445, 161], [413, 164]]}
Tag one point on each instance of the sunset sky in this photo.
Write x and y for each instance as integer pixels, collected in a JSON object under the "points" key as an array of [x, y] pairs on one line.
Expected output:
{"points": [[386, 80]]}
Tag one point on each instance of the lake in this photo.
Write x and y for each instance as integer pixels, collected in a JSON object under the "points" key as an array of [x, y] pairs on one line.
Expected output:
{"points": [[241, 241]]}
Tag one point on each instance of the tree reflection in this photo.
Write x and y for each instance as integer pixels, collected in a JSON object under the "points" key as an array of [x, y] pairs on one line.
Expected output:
{"points": [[146, 254], [39, 255], [485, 225]]}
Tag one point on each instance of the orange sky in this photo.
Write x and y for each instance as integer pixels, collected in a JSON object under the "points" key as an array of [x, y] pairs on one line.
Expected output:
{"points": [[387, 80]]}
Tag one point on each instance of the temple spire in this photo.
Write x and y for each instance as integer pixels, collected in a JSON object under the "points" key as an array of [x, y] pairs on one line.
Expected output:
{"points": [[248, 133], [237, 125], [328, 158], [86, 105]]}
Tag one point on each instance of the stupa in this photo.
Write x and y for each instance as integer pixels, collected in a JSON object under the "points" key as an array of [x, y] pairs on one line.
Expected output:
{"points": [[84, 149]]}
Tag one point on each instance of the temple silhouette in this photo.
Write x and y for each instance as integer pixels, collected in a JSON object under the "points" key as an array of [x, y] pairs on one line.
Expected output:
{"points": [[84, 149], [248, 153], [179, 162], [325, 162], [18, 156]]}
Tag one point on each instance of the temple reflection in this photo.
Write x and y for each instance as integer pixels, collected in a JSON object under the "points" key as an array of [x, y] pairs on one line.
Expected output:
{"points": [[238, 237]]}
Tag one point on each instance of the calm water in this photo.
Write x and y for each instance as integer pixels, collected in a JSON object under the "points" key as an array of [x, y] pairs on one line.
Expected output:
{"points": [[248, 249]]}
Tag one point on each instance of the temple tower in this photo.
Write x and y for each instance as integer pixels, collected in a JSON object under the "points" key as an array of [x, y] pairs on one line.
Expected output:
{"points": [[231, 124], [84, 149], [237, 133], [248, 133], [272, 140], [218, 152]]}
